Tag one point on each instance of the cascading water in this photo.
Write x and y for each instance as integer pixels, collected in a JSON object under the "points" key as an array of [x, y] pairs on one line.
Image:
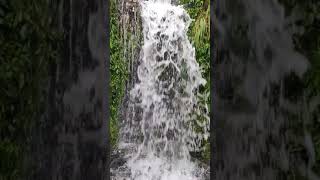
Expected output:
{"points": [[168, 115]]}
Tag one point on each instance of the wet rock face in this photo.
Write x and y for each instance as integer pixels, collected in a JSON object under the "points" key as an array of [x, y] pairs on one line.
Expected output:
{"points": [[70, 143], [130, 23]]}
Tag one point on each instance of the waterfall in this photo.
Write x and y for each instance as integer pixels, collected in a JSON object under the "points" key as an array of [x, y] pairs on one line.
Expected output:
{"points": [[168, 115]]}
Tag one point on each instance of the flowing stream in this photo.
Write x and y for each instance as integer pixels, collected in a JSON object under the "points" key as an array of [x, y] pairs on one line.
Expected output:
{"points": [[168, 115]]}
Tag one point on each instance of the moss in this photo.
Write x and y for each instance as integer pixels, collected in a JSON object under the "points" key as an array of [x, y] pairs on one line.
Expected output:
{"points": [[118, 71]]}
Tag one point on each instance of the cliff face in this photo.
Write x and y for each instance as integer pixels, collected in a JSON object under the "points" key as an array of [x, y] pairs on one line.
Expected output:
{"points": [[71, 141], [130, 29], [131, 32]]}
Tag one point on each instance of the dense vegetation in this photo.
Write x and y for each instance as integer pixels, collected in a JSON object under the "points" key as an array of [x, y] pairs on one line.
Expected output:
{"points": [[118, 70], [28, 44], [199, 35]]}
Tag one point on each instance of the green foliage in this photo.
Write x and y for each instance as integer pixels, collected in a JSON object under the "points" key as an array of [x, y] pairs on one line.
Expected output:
{"points": [[118, 71], [199, 11], [201, 28], [199, 34], [27, 45]]}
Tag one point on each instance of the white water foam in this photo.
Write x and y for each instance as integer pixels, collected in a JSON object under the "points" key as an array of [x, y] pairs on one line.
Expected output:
{"points": [[170, 117]]}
